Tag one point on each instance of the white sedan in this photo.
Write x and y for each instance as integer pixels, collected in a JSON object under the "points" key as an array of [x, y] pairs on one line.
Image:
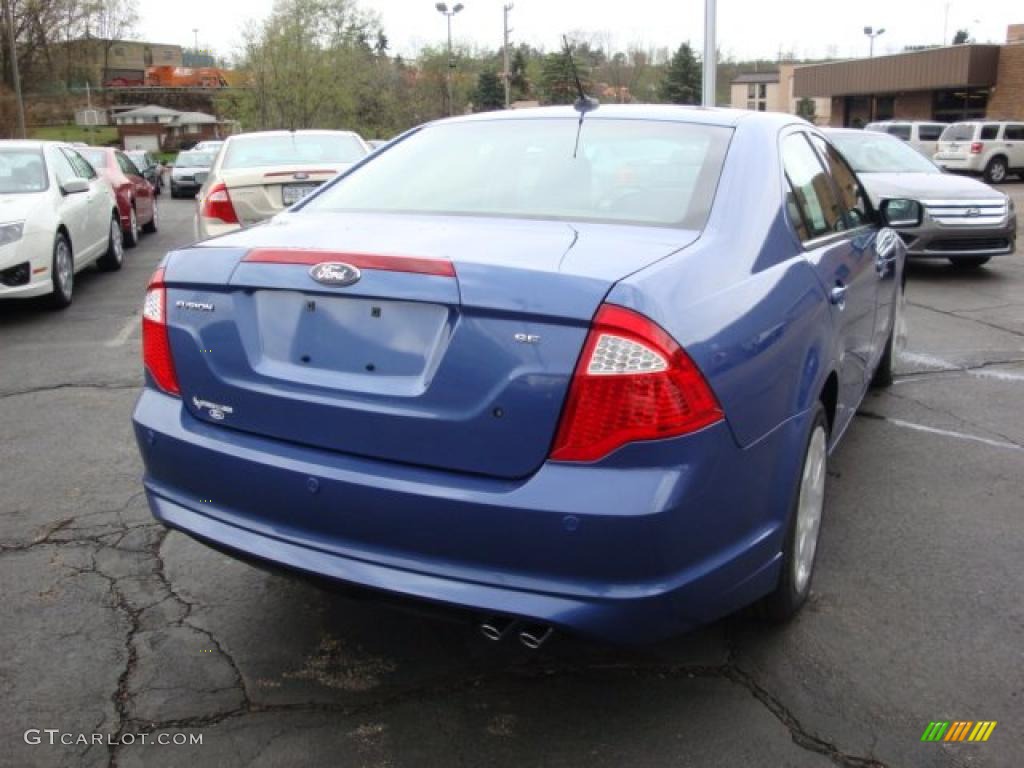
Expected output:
{"points": [[57, 216]]}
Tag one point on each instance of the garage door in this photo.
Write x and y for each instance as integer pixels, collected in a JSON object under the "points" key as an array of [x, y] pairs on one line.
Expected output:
{"points": [[149, 143]]}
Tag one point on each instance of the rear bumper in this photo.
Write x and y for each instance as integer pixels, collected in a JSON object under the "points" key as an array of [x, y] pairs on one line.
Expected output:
{"points": [[616, 550]]}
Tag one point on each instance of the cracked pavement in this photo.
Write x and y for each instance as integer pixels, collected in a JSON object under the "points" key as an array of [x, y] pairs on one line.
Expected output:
{"points": [[109, 624]]}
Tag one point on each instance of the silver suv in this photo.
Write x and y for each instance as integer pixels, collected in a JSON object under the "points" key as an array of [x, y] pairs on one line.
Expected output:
{"points": [[992, 149], [922, 136]]}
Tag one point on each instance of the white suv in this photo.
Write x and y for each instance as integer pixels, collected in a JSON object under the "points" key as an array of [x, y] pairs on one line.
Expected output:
{"points": [[993, 149], [922, 136]]}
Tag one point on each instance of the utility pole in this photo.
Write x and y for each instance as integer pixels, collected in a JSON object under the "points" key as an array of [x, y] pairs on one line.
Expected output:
{"points": [[443, 9], [507, 76], [15, 75], [710, 55]]}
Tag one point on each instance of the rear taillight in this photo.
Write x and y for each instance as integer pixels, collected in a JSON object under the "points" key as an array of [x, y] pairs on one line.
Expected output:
{"points": [[156, 346], [217, 205], [977, 147], [632, 382]]}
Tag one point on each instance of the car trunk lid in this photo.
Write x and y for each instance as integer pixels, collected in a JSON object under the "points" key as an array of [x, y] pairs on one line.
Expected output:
{"points": [[453, 350], [259, 193]]}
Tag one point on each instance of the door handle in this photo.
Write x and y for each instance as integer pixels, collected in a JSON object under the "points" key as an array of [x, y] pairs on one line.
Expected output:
{"points": [[838, 295]]}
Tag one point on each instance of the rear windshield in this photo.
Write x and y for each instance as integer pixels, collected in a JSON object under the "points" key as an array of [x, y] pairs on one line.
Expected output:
{"points": [[627, 171], [899, 131], [97, 157], [194, 159], [294, 149], [959, 132], [877, 153], [21, 170]]}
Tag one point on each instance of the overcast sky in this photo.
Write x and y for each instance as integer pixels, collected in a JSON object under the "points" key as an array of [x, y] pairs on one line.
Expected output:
{"points": [[746, 28]]}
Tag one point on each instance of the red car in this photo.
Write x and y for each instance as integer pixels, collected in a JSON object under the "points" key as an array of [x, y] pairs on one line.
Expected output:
{"points": [[136, 200]]}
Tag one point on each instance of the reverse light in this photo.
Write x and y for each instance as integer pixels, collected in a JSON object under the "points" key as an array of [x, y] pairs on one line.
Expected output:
{"points": [[977, 147], [217, 205], [156, 346], [633, 382]]}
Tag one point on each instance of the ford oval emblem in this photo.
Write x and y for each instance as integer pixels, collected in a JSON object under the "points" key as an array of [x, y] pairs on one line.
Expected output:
{"points": [[335, 273], [300, 176]]}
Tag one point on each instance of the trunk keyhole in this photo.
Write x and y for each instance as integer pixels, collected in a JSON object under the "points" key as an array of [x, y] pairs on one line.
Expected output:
{"points": [[311, 306], [375, 312]]}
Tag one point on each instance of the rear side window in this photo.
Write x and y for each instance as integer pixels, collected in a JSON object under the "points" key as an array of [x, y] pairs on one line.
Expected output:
{"points": [[1014, 133], [811, 196], [959, 132], [989, 132], [899, 131], [661, 173], [82, 167], [852, 199], [929, 132]]}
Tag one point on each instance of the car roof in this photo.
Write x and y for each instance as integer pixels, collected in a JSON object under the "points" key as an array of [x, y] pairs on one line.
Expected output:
{"points": [[723, 116], [310, 132]]}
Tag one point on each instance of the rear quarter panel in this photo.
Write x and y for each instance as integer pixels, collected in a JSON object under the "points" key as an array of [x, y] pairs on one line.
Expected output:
{"points": [[743, 300]]}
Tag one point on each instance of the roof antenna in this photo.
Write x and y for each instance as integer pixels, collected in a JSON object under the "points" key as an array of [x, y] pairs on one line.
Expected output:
{"points": [[583, 103]]}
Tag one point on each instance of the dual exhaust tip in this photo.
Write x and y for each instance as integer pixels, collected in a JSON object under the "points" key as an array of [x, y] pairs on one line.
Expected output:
{"points": [[533, 636]]}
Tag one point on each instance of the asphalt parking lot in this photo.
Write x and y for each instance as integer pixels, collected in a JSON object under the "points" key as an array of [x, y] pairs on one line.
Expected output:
{"points": [[111, 625]]}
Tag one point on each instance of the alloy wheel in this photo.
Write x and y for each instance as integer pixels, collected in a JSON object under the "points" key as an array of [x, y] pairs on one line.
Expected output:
{"points": [[116, 240], [809, 509], [63, 268]]}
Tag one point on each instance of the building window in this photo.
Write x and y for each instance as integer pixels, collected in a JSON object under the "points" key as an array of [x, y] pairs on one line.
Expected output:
{"points": [[118, 51], [194, 128], [960, 104], [762, 91], [751, 91], [885, 107]]}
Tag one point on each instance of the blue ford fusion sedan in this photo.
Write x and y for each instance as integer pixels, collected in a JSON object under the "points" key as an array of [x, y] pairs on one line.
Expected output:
{"points": [[560, 370]]}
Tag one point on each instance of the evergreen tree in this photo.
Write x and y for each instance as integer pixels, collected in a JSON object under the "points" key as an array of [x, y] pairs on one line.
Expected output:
{"points": [[681, 83], [490, 94], [558, 86]]}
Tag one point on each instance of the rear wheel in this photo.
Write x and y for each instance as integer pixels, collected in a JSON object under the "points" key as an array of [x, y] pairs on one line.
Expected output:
{"points": [[969, 263], [996, 170], [154, 222], [63, 273], [131, 234], [801, 545], [113, 259]]}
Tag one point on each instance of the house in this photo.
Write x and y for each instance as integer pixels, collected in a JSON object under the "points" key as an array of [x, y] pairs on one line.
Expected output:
{"points": [[947, 83], [774, 92], [156, 128]]}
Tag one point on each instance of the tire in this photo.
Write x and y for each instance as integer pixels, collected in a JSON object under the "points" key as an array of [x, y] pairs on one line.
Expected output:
{"points": [[800, 549], [996, 170], [970, 263], [154, 223], [174, 192], [62, 271], [113, 259], [131, 234], [883, 373]]}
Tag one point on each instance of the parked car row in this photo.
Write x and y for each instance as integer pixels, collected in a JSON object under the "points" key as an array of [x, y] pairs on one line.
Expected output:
{"points": [[988, 148]]}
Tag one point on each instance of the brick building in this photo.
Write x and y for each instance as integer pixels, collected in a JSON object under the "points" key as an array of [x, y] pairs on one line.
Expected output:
{"points": [[959, 82]]}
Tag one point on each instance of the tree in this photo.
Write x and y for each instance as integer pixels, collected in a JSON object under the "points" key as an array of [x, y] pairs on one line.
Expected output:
{"points": [[681, 83], [961, 37], [805, 108], [557, 81], [490, 94]]}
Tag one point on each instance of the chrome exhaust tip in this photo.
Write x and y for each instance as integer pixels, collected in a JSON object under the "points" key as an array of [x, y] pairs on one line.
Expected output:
{"points": [[535, 635], [495, 628]]}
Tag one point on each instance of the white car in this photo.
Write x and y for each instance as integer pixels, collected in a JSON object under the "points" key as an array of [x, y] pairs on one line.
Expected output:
{"points": [[921, 135], [258, 175], [993, 149], [57, 216]]}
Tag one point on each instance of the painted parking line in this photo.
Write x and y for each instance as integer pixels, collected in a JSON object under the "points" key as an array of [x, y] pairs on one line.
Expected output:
{"points": [[951, 433], [124, 334]]}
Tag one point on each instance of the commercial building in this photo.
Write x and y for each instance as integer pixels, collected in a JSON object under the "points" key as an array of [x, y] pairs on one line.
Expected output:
{"points": [[950, 83], [97, 61]]}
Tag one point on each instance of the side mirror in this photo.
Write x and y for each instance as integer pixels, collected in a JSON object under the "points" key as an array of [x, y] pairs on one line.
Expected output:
{"points": [[902, 213], [75, 186], [201, 177]]}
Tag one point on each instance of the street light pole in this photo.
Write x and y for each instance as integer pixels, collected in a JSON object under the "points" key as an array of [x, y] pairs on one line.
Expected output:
{"points": [[508, 75], [15, 75], [710, 55], [872, 34], [443, 8]]}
